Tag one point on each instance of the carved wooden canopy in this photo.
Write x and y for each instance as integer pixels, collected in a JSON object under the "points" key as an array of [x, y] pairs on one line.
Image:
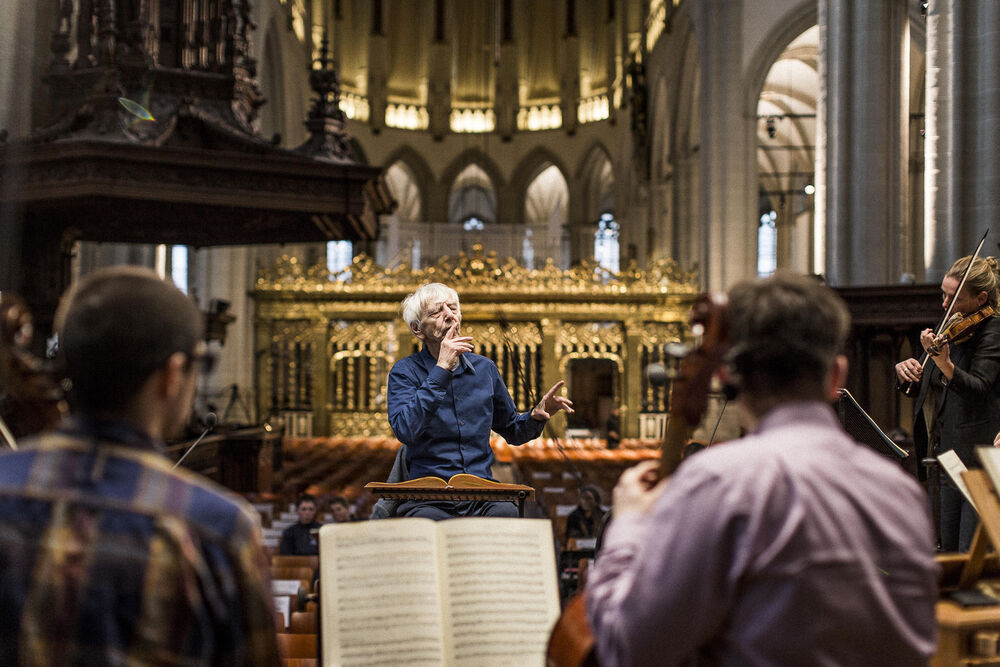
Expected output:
{"points": [[154, 137]]}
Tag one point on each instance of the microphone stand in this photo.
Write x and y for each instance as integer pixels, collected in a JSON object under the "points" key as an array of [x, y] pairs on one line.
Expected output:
{"points": [[211, 419]]}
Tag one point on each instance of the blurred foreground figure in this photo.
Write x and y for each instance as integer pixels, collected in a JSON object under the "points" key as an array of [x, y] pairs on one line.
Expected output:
{"points": [[792, 545], [108, 555]]}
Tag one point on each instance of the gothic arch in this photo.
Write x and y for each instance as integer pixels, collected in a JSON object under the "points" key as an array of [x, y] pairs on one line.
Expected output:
{"points": [[524, 173], [420, 170], [794, 23], [588, 177]]}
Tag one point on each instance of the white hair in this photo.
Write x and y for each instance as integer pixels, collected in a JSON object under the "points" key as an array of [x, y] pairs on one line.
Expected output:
{"points": [[413, 305]]}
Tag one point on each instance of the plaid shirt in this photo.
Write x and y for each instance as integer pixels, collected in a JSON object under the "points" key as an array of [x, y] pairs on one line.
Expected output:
{"points": [[108, 556]]}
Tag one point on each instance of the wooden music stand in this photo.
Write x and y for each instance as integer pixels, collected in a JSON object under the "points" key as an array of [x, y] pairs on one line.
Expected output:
{"points": [[459, 487], [971, 635]]}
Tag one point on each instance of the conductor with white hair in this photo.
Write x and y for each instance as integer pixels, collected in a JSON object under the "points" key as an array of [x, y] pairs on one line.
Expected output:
{"points": [[444, 400]]}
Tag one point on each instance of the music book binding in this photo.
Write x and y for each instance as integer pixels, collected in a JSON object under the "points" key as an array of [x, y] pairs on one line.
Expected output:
{"points": [[472, 591], [460, 481]]}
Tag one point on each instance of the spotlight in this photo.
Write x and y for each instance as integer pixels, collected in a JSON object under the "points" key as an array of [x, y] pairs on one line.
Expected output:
{"points": [[810, 189]]}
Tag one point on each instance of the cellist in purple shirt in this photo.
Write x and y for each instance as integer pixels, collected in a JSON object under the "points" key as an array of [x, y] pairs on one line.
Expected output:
{"points": [[791, 545]]}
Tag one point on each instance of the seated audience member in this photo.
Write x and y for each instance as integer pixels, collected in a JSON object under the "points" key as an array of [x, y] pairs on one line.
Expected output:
{"points": [[341, 510], [109, 555], [586, 518], [302, 538], [791, 545]]}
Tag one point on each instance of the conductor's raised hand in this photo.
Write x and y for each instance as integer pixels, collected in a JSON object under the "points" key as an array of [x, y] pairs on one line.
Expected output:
{"points": [[453, 347], [552, 403]]}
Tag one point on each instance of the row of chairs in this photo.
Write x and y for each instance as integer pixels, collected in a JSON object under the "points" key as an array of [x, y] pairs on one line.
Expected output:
{"points": [[298, 643]]}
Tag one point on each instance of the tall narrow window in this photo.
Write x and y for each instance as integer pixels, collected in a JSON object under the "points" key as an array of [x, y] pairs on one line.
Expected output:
{"points": [[606, 249], [179, 267], [767, 245], [339, 255]]}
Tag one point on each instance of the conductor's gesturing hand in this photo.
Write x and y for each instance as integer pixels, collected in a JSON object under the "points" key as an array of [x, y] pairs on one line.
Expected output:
{"points": [[552, 403]]}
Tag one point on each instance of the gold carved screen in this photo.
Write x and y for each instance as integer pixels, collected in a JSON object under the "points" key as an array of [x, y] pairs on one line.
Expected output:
{"points": [[325, 344]]}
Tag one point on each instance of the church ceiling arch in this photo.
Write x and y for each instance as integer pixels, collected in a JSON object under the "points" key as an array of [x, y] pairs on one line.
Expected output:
{"points": [[480, 159], [416, 163], [472, 199], [531, 165], [546, 201], [402, 184]]}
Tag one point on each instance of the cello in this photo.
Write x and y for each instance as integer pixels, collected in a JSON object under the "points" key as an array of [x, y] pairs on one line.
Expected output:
{"points": [[571, 643]]}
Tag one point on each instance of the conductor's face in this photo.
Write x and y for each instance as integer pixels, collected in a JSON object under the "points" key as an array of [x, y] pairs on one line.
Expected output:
{"points": [[437, 319]]}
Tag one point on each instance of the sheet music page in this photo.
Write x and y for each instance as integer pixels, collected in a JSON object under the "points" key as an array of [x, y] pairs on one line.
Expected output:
{"points": [[990, 456], [500, 590], [380, 593], [954, 467]]}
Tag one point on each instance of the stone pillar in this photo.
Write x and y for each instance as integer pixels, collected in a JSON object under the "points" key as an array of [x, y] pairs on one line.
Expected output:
{"points": [[962, 170], [378, 70], [570, 71], [864, 109], [507, 94], [728, 242]]}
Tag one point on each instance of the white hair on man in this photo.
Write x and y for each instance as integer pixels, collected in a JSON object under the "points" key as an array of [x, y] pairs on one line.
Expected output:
{"points": [[413, 305]]}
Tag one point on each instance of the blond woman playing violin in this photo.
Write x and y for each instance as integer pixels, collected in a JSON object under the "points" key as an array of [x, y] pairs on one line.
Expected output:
{"points": [[958, 395]]}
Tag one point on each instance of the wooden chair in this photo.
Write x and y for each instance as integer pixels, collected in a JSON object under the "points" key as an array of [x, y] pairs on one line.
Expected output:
{"points": [[304, 573], [303, 623], [312, 562], [292, 646]]}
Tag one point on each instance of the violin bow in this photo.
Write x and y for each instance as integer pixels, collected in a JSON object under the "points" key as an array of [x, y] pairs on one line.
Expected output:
{"points": [[6, 436], [947, 313]]}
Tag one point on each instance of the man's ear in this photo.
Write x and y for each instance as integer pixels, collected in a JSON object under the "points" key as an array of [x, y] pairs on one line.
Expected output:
{"points": [[173, 373], [415, 330], [837, 377]]}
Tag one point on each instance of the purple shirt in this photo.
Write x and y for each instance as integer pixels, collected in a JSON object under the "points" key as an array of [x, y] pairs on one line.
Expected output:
{"points": [[793, 545]]}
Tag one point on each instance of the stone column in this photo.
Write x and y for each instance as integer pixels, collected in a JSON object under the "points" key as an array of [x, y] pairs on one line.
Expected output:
{"points": [[378, 70], [863, 142], [570, 71], [727, 245], [962, 167]]}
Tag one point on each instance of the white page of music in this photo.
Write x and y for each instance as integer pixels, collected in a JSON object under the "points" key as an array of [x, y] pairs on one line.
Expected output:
{"points": [[500, 592], [380, 593], [954, 467]]}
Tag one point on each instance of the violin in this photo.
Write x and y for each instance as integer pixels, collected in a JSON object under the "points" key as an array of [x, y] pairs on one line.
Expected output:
{"points": [[31, 401], [959, 328], [571, 643]]}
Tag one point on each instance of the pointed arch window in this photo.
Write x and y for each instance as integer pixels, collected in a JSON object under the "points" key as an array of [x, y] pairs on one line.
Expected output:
{"points": [[767, 244], [606, 246]]}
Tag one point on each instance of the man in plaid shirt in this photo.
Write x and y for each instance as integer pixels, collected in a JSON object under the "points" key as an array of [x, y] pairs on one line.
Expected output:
{"points": [[107, 554]]}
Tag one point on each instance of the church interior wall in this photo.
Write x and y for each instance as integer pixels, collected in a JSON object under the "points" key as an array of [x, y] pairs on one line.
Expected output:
{"points": [[688, 189]]}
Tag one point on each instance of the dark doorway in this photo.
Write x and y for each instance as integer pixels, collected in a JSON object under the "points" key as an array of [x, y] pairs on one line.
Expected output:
{"points": [[592, 389]]}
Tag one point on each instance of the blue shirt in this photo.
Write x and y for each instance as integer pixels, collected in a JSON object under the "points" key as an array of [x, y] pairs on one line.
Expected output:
{"points": [[445, 417]]}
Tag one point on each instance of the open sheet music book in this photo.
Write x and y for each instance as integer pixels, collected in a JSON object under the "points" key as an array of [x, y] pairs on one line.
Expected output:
{"points": [[476, 591], [460, 481]]}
